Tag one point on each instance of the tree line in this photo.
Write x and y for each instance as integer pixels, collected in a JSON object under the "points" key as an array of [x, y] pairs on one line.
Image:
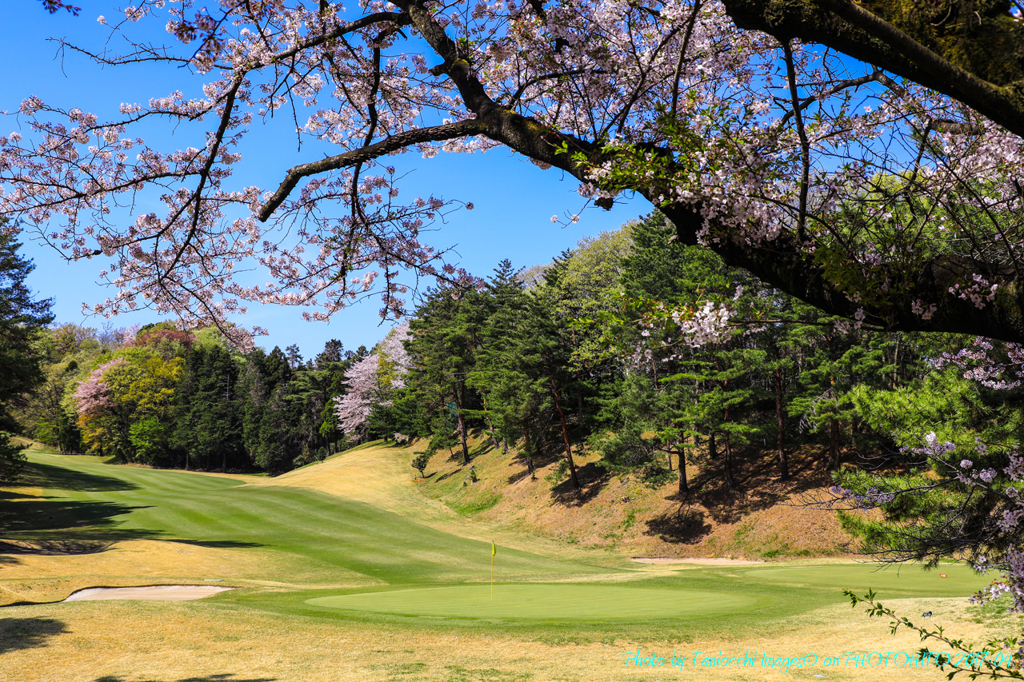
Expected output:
{"points": [[659, 357], [165, 397], [648, 352], [652, 353]]}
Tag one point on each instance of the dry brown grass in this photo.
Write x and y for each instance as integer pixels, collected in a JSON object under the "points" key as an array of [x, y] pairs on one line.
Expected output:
{"points": [[39, 578], [624, 515], [164, 642], [132, 641]]}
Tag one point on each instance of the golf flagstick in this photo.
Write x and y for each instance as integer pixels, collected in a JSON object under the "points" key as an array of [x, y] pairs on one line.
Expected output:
{"points": [[494, 550]]}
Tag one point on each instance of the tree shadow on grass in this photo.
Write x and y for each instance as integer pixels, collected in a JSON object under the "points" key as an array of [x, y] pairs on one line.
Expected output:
{"points": [[592, 479], [686, 525], [521, 461], [6, 495], [517, 476], [49, 547], [222, 677], [444, 476], [481, 448], [38, 475], [758, 485], [28, 633], [219, 544], [48, 519]]}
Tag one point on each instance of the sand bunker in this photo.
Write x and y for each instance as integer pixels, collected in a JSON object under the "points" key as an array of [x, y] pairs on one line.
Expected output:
{"points": [[148, 593], [699, 562]]}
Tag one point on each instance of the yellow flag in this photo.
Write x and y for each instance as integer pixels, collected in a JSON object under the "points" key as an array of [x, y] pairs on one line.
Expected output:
{"points": [[494, 550]]}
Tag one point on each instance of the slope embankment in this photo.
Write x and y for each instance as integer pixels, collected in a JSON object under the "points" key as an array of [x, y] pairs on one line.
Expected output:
{"points": [[759, 518]]}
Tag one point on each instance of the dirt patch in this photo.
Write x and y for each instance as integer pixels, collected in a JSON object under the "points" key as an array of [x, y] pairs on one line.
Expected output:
{"points": [[697, 561], [148, 593]]}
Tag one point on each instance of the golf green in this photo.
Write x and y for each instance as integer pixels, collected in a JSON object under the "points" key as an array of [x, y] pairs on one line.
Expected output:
{"points": [[545, 602]]}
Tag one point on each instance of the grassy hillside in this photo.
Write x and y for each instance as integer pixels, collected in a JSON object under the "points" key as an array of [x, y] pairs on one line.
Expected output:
{"points": [[348, 572], [761, 519]]}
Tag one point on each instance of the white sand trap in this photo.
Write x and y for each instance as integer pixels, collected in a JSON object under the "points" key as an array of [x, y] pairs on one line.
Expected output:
{"points": [[699, 562], [148, 593]]}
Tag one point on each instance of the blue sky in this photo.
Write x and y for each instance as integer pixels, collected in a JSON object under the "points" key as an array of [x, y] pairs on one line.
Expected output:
{"points": [[514, 200]]}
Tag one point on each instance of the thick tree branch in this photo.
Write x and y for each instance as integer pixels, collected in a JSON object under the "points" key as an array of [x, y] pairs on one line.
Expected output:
{"points": [[844, 26], [805, 146], [449, 131], [784, 263]]}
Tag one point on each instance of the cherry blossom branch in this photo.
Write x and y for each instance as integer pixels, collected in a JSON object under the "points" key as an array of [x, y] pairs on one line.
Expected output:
{"points": [[690, 23], [397, 142], [521, 90], [805, 146], [194, 200]]}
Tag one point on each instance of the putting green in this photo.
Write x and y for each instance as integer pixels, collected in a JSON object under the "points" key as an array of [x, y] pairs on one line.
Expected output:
{"points": [[545, 602]]}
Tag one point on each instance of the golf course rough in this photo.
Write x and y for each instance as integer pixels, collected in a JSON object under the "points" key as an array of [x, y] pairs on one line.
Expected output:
{"points": [[535, 601]]}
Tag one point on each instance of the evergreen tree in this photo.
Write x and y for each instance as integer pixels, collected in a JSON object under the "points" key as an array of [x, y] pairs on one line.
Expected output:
{"points": [[266, 413], [835, 361], [511, 400], [446, 334], [277, 446], [21, 317], [208, 423], [547, 366], [253, 395]]}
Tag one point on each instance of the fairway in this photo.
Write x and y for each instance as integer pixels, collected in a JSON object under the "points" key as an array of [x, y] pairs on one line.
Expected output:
{"points": [[544, 602]]}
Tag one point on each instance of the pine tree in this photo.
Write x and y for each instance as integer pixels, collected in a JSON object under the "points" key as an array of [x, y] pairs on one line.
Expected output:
{"points": [[445, 337], [208, 422], [834, 361], [21, 317]]}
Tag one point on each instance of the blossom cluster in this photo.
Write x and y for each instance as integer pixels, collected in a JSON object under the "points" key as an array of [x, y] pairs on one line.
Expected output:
{"points": [[93, 394], [1001, 368], [372, 381]]}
